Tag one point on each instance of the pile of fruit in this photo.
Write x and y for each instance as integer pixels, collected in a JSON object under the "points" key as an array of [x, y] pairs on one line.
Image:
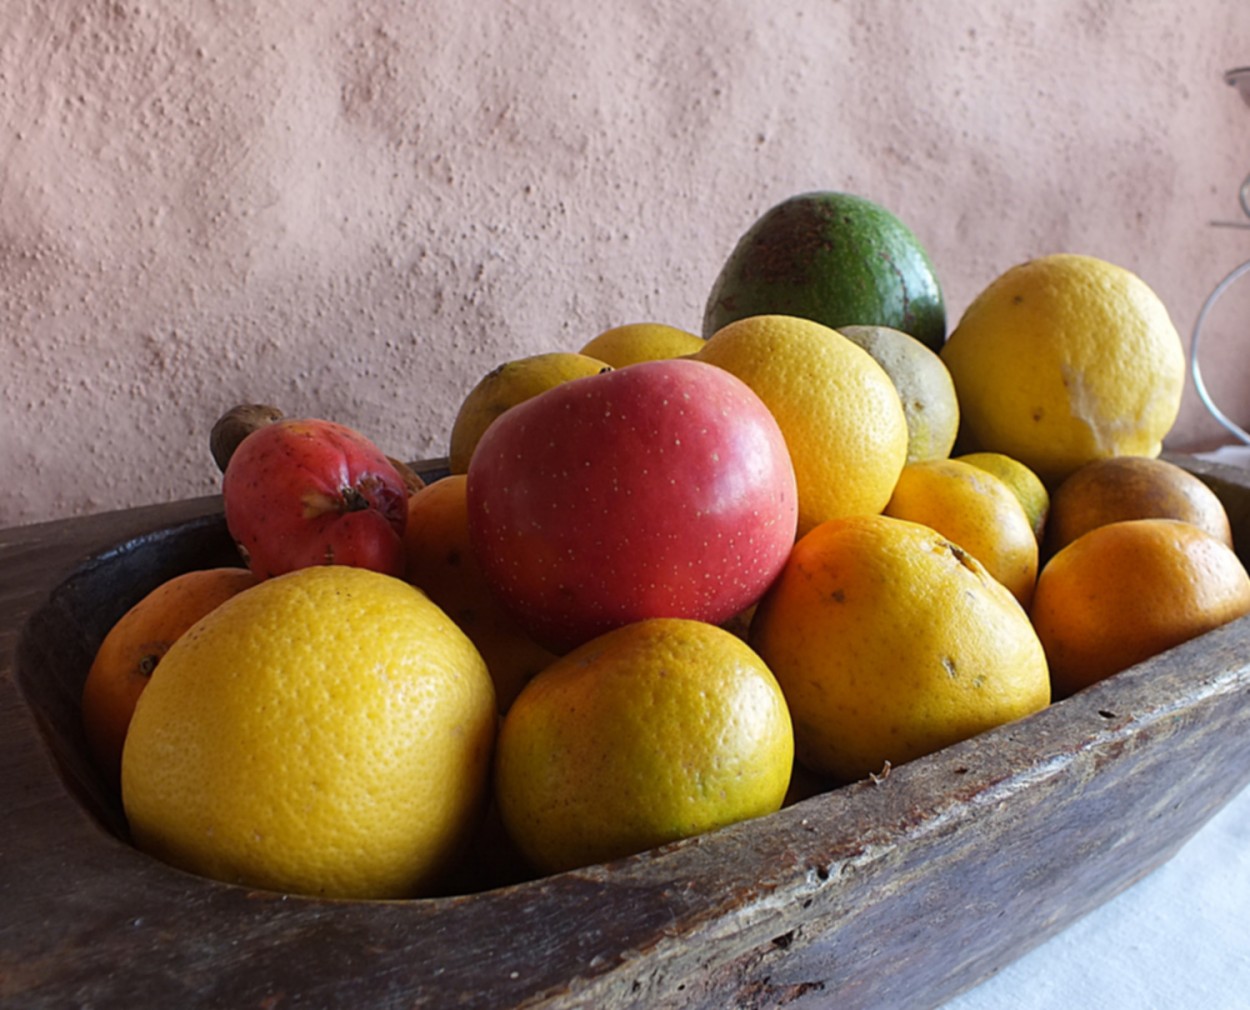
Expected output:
{"points": [[672, 581]]}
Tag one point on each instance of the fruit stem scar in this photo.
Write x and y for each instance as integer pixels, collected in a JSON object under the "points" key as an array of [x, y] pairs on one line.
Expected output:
{"points": [[353, 500], [960, 555]]}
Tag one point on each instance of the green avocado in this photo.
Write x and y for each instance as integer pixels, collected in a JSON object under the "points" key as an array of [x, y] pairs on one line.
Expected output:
{"points": [[836, 258]]}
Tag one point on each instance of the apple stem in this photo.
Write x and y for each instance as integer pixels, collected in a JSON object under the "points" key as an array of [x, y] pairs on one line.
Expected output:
{"points": [[353, 500]]}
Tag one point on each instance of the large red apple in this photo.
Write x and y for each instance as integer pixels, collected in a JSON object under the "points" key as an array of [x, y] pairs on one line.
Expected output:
{"points": [[660, 489], [312, 492]]}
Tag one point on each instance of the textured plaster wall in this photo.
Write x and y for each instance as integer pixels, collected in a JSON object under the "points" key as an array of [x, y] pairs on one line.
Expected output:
{"points": [[355, 209]]}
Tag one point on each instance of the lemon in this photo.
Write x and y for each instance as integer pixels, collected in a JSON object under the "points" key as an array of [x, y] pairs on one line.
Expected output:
{"points": [[656, 731], [924, 386], [635, 342], [1024, 483], [840, 414], [327, 732], [1063, 360], [975, 510], [891, 643], [504, 387]]}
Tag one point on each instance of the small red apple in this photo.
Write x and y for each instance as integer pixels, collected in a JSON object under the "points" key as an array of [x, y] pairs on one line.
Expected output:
{"points": [[312, 492], [660, 489]]}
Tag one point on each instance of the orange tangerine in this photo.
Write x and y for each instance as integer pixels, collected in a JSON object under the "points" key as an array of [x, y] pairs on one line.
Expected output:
{"points": [[890, 642], [838, 409], [441, 562], [635, 342], [133, 647], [975, 510], [656, 731], [1128, 590]]}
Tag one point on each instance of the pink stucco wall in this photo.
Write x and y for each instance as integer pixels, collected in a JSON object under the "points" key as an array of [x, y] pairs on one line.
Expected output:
{"points": [[355, 209]]}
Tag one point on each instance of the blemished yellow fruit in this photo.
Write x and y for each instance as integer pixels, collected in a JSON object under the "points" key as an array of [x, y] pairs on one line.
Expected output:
{"points": [[635, 342], [1026, 485], [326, 732], [840, 414], [975, 510], [924, 386], [1066, 359], [653, 732], [1133, 487], [890, 643], [504, 387], [1127, 591], [441, 561]]}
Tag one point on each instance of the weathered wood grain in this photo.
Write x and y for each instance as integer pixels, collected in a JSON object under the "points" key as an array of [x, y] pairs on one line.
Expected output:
{"points": [[901, 891]]}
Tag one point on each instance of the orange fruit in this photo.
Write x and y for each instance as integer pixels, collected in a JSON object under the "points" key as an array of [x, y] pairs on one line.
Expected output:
{"points": [[975, 510], [656, 731], [890, 642], [1066, 359], [838, 409], [506, 385], [328, 732], [441, 562], [635, 342], [1024, 483], [1127, 591], [132, 648], [1132, 487]]}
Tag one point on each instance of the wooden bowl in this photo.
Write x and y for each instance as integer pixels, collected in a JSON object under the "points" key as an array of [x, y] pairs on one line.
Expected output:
{"points": [[901, 890]]}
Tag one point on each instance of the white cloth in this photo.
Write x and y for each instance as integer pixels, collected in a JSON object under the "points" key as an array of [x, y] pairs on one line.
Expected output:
{"points": [[1229, 455]]}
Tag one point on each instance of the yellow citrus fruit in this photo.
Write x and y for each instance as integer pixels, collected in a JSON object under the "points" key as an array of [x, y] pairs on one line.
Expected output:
{"points": [[655, 731], [890, 642], [924, 386], [1133, 487], [507, 385], [840, 414], [635, 342], [326, 732], [1024, 483], [440, 561], [1128, 590], [976, 511], [132, 648], [1066, 359]]}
